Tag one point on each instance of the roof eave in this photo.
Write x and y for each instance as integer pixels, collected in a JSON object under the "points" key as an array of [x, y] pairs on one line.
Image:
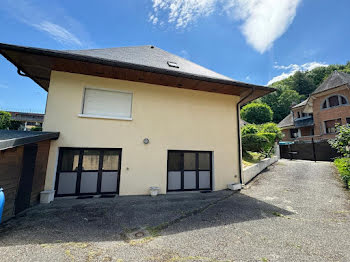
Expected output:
{"points": [[82, 58]]}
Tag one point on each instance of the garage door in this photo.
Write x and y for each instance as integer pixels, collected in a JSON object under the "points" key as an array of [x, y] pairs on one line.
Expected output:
{"points": [[189, 170], [87, 171]]}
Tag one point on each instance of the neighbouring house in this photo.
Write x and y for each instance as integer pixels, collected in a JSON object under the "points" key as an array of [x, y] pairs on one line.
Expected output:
{"points": [[23, 161], [317, 116], [135, 117], [27, 120]]}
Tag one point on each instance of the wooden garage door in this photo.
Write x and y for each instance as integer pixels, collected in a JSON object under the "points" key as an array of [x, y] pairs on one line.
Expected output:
{"points": [[189, 170]]}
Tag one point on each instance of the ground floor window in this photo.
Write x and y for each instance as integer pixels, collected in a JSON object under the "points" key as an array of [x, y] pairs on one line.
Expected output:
{"points": [[189, 170], [348, 120], [294, 133], [87, 171], [330, 125]]}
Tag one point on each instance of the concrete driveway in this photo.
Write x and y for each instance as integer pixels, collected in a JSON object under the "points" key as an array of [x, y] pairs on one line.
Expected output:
{"points": [[296, 211]]}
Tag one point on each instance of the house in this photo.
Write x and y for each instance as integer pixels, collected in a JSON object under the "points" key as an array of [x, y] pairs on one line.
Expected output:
{"points": [[23, 161], [135, 117], [27, 120], [317, 116]]}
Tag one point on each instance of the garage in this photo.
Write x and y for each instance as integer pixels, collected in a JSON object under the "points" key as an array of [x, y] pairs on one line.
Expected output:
{"points": [[189, 170], [88, 171]]}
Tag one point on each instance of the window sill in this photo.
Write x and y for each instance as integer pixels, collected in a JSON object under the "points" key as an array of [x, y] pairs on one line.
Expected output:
{"points": [[105, 117]]}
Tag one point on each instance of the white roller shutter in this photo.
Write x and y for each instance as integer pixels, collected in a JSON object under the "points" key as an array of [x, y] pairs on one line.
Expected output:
{"points": [[106, 103]]}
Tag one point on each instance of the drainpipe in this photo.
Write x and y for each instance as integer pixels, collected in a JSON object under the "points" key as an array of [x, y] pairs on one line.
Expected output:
{"points": [[239, 134]]}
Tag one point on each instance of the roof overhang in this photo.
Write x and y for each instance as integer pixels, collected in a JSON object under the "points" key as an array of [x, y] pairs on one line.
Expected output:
{"points": [[18, 140], [37, 64]]}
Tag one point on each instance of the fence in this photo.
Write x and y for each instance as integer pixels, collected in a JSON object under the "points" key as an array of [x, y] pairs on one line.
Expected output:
{"points": [[309, 150]]}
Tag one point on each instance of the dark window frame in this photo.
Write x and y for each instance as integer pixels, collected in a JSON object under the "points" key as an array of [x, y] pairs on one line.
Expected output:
{"points": [[197, 170], [80, 170]]}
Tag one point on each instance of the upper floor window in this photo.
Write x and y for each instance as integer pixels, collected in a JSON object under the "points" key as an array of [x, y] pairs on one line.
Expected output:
{"points": [[335, 100], [103, 103]]}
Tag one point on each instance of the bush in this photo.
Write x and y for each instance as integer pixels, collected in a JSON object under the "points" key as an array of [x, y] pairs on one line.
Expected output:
{"points": [[249, 129], [257, 113], [272, 128], [254, 142], [5, 120], [342, 141], [343, 166], [36, 128]]}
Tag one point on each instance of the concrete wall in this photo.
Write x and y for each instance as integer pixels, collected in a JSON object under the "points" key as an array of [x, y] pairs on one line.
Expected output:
{"points": [[252, 171], [172, 118]]}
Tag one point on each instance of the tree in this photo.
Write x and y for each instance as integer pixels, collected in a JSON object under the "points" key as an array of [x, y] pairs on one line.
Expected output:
{"points": [[302, 84], [5, 120], [257, 113], [281, 101], [14, 125]]}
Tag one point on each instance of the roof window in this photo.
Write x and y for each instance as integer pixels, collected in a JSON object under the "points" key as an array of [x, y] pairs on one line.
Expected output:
{"points": [[173, 64]]}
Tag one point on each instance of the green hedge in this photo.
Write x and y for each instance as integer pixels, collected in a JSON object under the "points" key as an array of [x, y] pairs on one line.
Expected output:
{"points": [[249, 129], [343, 166], [255, 143]]}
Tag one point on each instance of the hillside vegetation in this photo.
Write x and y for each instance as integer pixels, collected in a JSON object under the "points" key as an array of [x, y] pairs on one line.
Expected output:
{"points": [[297, 88]]}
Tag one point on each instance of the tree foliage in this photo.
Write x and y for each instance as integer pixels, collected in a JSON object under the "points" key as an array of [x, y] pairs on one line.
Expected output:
{"points": [[5, 120], [256, 113], [342, 140]]}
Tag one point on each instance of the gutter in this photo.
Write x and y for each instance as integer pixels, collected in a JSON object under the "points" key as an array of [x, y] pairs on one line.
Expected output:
{"points": [[239, 134]]}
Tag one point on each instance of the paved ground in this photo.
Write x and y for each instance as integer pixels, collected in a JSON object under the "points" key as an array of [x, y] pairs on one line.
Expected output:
{"points": [[296, 211]]}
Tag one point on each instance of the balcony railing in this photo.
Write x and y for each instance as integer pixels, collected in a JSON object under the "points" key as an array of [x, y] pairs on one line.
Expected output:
{"points": [[304, 121]]}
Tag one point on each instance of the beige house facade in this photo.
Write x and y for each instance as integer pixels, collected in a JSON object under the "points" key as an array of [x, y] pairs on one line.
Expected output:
{"points": [[127, 125]]}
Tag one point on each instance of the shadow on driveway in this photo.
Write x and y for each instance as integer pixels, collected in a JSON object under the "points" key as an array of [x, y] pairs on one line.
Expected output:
{"points": [[103, 219]]}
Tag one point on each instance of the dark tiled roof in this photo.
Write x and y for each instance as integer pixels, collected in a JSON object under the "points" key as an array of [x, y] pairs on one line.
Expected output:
{"points": [[287, 121], [334, 80], [301, 104], [149, 56], [14, 138]]}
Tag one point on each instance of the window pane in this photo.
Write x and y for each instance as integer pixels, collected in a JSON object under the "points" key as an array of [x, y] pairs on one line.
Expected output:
{"points": [[190, 180], [88, 183], [343, 100], [70, 160], [189, 161], [204, 161], [174, 180], [324, 104], [67, 183], [111, 160], [107, 103], [109, 182], [175, 161], [333, 101], [91, 159], [204, 179]]}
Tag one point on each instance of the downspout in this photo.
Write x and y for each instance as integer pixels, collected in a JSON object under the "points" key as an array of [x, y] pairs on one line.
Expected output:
{"points": [[239, 134]]}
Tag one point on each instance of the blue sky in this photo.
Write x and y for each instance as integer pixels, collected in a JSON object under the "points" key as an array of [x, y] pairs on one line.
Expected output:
{"points": [[255, 41]]}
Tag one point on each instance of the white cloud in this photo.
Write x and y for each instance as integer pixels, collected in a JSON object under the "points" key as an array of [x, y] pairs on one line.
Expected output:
{"points": [[58, 33], [262, 21], [292, 68], [3, 86], [182, 12], [49, 18]]}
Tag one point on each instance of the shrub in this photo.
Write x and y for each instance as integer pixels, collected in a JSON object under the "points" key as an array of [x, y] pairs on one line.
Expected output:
{"points": [[5, 120], [254, 142], [272, 128], [342, 140], [249, 129], [257, 113], [343, 166], [36, 128]]}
